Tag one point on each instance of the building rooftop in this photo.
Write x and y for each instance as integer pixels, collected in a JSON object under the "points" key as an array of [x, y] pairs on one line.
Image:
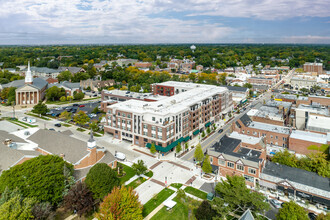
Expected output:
{"points": [[310, 136], [286, 96], [297, 175], [172, 104], [134, 95], [318, 123], [270, 127], [245, 138], [38, 83], [246, 120], [236, 88], [314, 108]]}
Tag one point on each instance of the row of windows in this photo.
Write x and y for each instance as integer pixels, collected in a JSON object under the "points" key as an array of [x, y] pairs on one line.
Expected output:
{"points": [[238, 166]]}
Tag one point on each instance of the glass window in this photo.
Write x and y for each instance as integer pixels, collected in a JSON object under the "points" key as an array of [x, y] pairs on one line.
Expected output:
{"points": [[160, 129], [118, 114], [153, 119], [240, 167], [153, 128], [229, 164], [145, 126], [249, 178], [124, 115], [221, 162], [252, 171], [129, 115]]}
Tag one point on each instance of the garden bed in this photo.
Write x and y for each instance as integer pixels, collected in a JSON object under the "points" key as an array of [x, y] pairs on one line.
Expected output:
{"points": [[156, 201], [176, 185], [136, 182], [196, 192], [81, 129]]}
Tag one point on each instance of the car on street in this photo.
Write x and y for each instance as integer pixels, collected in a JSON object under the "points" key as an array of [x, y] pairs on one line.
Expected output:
{"points": [[24, 118], [57, 125], [312, 216], [51, 129], [120, 156], [276, 203], [74, 110], [220, 131], [81, 106]]}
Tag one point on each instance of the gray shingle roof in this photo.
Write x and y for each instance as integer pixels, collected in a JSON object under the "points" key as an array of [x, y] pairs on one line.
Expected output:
{"points": [[246, 120], [236, 88], [57, 143], [247, 215], [73, 70], [297, 175], [37, 83]]}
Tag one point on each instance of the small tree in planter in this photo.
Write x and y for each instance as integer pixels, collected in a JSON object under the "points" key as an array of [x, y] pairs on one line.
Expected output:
{"points": [[186, 146], [214, 127], [208, 130], [207, 168], [153, 148], [203, 134], [120, 169], [140, 168], [178, 148]]}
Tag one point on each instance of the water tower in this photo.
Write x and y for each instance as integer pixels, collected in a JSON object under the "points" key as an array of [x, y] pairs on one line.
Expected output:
{"points": [[193, 48]]}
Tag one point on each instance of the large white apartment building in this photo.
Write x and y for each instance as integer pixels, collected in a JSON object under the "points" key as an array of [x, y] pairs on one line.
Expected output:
{"points": [[171, 120]]}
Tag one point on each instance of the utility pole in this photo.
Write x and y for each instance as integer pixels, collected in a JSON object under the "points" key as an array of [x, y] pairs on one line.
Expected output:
{"points": [[13, 104]]}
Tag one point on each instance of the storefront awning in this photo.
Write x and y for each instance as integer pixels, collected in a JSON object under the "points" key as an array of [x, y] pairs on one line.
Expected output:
{"points": [[207, 124], [196, 132], [321, 200]]}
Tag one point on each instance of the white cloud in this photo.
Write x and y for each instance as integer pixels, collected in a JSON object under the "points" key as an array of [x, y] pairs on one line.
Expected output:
{"points": [[137, 21], [307, 39]]}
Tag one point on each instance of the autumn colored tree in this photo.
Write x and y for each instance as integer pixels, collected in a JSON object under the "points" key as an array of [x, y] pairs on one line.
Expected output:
{"points": [[121, 203], [79, 198], [65, 115], [81, 118]]}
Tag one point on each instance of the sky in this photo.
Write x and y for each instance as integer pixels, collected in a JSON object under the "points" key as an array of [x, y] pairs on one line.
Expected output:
{"points": [[164, 21]]}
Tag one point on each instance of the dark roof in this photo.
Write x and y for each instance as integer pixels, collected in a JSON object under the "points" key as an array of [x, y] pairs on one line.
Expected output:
{"points": [[246, 120], [227, 145], [66, 84], [72, 69], [236, 88], [297, 175], [57, 143], [42, 70]]}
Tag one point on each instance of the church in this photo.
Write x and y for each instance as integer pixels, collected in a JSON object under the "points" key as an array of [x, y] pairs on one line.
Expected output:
{"points": [[29, 90]]}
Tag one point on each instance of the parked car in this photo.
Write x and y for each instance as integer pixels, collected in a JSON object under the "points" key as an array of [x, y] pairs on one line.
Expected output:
{"points": [[57, 125], [94, 95], [75, 105], [120, 156], [81, 106], [220, 131], [24, 118], [51, 129], [74, 110], [312, 216], [275, 203]]}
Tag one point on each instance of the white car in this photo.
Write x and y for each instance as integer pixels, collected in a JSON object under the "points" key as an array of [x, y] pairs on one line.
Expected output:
{"points": [[276, 203], [120, 156]]}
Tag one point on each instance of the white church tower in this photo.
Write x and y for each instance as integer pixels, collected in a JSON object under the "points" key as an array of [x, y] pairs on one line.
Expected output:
{"points": [[28, 75]]}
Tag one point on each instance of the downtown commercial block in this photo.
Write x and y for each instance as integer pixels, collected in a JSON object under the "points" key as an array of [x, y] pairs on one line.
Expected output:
{"points": [[187, 111]]}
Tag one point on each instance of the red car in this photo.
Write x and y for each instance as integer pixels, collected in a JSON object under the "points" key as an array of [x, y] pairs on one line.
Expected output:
{"points": [[81, 106]]}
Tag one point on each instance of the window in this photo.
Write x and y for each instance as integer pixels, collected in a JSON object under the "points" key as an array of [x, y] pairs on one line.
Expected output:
{"points": [[145, 126], [168, 129], [284, 139], [211, 160], [249, 178], [160, 137], [124, 115], [240, 167], [118, 114], [145, 133], [276, 137], [129, 115], [153, 128], [248, 132], [229, 164], [243, 131], [109, 111], [153, 135], [252, 171], [221, 162], [271, 136], [153, 119], [160, 129]]}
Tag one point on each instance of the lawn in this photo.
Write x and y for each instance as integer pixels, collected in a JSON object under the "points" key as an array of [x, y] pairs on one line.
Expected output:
{"points": [[81, 129], [178, 212], [156, 201], [149, 174], [37, 116], [137, 182], [196, 192], [65, 125], [20, 123], [96, 134], [129, 173], [176, 185]]}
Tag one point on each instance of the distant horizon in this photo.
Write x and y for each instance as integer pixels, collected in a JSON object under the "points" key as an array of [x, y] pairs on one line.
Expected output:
{"points": [[41, 22]]}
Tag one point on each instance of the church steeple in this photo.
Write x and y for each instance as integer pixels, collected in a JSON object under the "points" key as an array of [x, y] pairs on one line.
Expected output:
{"points": [[28, 75]]}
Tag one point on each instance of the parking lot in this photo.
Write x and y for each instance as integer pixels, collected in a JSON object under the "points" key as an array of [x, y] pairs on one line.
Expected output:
{"points": [[74, 108]]}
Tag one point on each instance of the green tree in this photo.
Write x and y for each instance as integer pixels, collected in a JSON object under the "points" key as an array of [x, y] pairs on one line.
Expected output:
{"points": [[239, 198], [186, 146], [9, 194], [81, 118], [292, 211], [40, 108], [178, 148], [54, 93], [208, 130], [95, 110], [101, 179], [94, 126], [65, 115], [198, 154], [207, 168], [64, 76], [17, 208], [78, 96], [63, 99], [203, 134], [79, 198], [247, 85], [323, 216], [121, 203], [153, 148], [205, 211], [44, 178], [140, 168]]}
